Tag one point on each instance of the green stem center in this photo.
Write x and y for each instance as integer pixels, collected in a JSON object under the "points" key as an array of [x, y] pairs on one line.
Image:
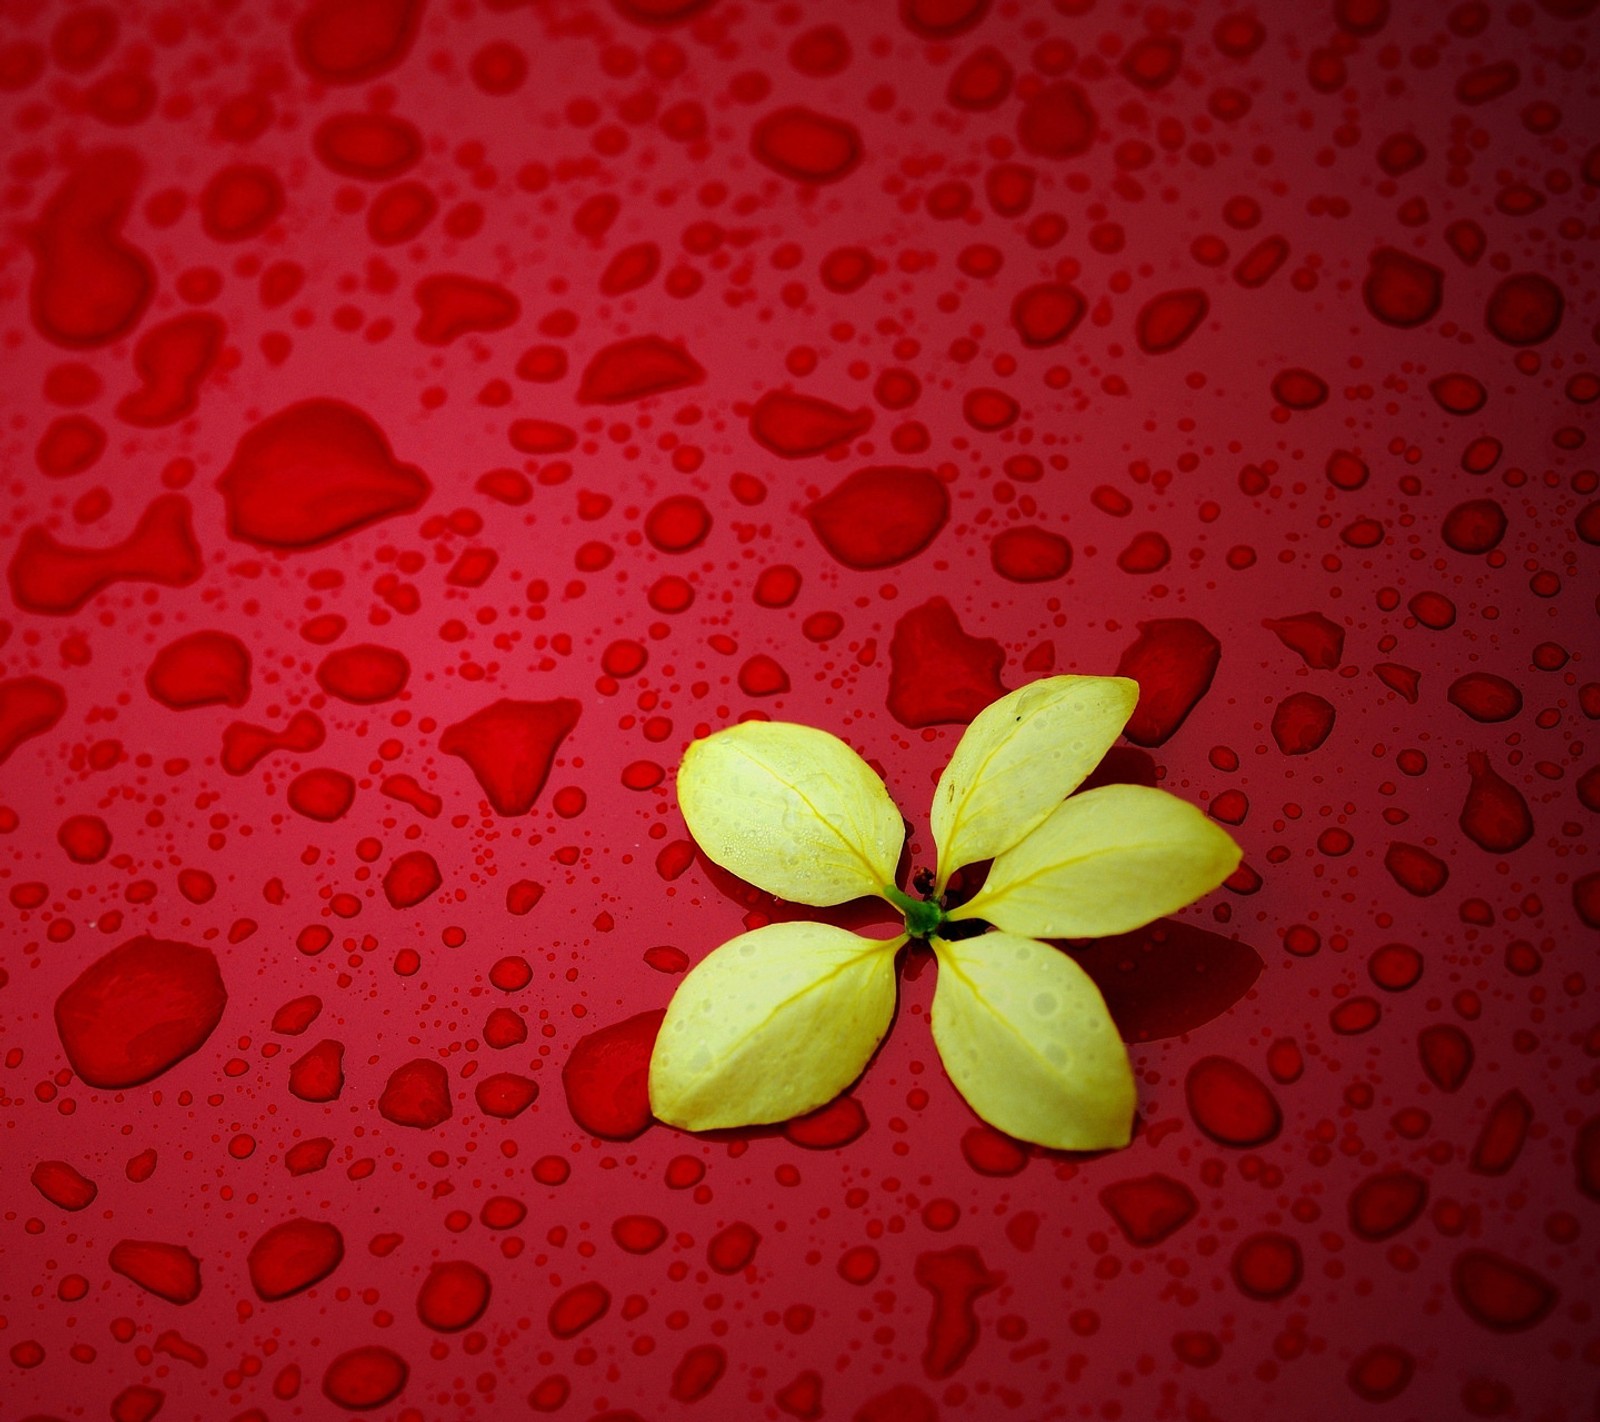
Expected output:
{"points": [[922, 916]]}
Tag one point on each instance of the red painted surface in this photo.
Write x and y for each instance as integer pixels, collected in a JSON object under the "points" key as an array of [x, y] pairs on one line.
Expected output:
{"points": [[424, 420]]}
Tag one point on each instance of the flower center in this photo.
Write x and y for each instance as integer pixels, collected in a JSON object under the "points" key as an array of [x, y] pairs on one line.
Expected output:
{"points": [[923, 916]]}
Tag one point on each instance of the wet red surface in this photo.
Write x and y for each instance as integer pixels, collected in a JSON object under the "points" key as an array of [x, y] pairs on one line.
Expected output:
{"points": [[52, 577], [293, 1256], [138, 1009], [169, 1271], [1231, 1104], [881, 516], [426, 419], [89, 285], [1148, 1209], [201, 669]]}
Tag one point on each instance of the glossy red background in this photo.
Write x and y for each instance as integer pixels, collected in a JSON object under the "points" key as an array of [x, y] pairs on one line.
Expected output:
{"points": [[1299, 450]]}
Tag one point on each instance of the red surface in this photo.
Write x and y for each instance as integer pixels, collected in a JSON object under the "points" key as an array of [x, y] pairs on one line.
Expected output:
{"points": [[423, 419]]}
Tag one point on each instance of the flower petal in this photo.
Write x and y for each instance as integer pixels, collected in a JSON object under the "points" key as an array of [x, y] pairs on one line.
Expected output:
{"points": [[1021, 756], [1026, 1038], [1107, 861], [792, 810], [772, 1024]]}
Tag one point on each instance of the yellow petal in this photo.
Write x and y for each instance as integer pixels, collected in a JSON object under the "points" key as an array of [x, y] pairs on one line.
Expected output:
{"points": [[792, 810], [1020, 757], [1026, 1038], [1107, 861], [772, 1024]]}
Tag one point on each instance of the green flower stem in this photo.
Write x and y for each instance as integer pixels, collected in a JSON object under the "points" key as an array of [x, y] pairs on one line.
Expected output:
{"points": [[922, 915]]}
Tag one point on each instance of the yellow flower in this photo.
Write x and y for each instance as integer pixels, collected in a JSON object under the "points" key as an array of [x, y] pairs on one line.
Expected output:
{"points": [[777, 1022]]}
